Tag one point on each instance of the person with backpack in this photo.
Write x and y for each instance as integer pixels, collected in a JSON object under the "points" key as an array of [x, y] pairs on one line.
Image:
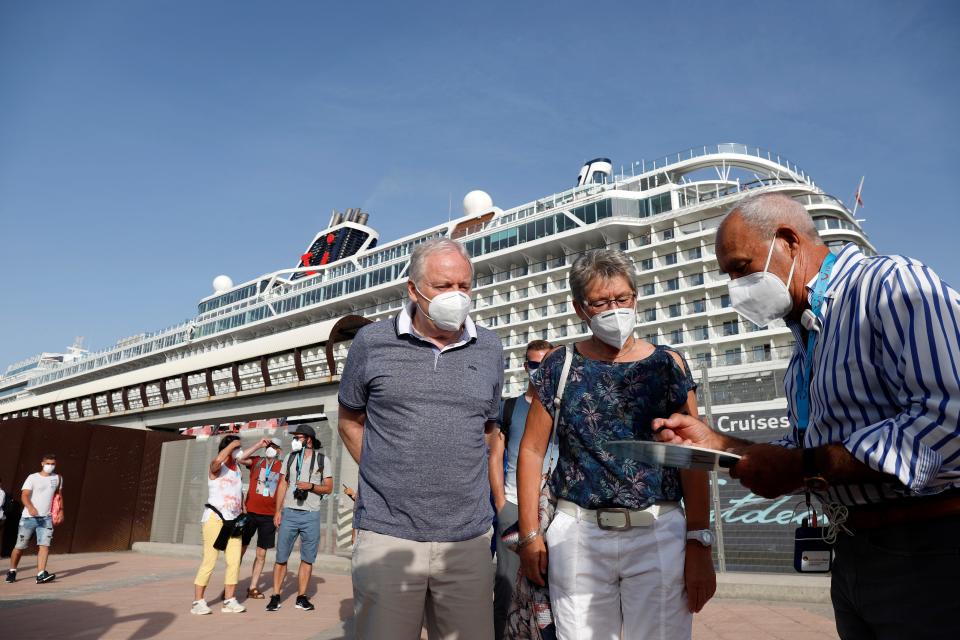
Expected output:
{"points": [[224, 505], [261, 505], [304, 479], [42, 499], [504, 448]]}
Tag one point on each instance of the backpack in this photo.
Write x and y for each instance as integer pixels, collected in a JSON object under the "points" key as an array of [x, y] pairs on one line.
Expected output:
{"points": [[317, 453]]}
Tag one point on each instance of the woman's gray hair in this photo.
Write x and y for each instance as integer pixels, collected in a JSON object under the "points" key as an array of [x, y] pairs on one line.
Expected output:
{"points": [[600, 263], [765, 213], [418, 259]]}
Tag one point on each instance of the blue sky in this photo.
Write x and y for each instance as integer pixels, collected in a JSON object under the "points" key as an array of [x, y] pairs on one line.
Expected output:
{"points": [[146, 147]]}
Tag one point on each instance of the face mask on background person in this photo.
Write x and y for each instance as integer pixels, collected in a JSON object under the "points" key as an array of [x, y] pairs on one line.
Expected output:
{"points": [[270, 452], [48, 468], [296, 445], [613, 327], [448, 310], [762, 297], [237, 453]]}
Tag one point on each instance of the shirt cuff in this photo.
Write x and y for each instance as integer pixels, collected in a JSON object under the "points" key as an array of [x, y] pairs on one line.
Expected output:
{"points": [[885, 447], [350, 405]]}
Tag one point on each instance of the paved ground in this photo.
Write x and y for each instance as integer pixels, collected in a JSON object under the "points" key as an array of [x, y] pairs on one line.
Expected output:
{"points": [[136, 596]]}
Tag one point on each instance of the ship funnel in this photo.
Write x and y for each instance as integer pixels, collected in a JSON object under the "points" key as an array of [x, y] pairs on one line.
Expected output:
{"points": [[335, 218], [362, 217], [596, 171], [477, 203]]}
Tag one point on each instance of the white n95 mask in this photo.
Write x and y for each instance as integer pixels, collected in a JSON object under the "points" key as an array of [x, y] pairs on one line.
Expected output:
{"points": [[448, 310], [762, 297], [270, 452], [296, 445], [613, 327]]}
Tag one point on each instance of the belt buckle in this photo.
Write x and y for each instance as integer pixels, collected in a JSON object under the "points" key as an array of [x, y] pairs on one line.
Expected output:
{"points": [[612, 527]]}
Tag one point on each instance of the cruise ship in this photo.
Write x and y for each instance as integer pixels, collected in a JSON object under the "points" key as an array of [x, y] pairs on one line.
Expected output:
{"points": [[662, 212]]}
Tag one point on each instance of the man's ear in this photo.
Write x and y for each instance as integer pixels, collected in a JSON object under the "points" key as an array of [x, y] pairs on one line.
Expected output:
{"points": [[792, 239]]}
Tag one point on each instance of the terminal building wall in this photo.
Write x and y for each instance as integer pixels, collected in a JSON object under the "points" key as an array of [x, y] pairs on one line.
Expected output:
{"points": [[109, 480]]}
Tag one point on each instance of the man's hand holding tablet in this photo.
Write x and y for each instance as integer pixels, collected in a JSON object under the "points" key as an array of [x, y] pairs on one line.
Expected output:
{"points": [[767, 470]]}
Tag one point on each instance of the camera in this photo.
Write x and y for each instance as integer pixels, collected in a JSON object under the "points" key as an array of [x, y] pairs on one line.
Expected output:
{"points": [[300, 494]]}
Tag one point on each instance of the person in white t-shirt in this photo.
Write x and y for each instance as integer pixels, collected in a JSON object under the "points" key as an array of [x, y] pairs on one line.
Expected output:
{"points": [[37, 496]]}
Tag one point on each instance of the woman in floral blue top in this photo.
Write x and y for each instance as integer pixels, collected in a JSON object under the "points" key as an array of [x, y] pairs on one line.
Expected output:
{"points": [[620, 559]]}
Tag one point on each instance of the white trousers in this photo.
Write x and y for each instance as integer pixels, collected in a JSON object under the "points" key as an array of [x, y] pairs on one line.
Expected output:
{"points": [[606, 585]]}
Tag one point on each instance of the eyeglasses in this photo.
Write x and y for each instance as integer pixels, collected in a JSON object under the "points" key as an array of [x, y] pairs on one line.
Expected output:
{"points": [[619, 301], [533, 365]]}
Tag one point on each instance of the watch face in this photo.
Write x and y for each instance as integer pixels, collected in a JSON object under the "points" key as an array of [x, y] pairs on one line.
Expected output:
{"points": [[704, 537]]}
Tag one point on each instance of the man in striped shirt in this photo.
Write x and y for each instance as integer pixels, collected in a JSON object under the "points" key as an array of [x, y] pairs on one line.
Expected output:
{"points": [[882, 439]]}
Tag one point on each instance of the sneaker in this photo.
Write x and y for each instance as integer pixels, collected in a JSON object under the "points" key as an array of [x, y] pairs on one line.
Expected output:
{"points": [[274, 603], [232, 606], [12, 575], [45, 576], [304, 603], [200, 608]]}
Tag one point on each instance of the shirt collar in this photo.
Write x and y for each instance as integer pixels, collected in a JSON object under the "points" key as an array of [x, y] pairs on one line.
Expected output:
{"points": [[405, 325], [847, 257]]}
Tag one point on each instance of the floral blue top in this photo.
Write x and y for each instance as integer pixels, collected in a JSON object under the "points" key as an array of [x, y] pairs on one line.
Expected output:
{"points": [[605, 401]]}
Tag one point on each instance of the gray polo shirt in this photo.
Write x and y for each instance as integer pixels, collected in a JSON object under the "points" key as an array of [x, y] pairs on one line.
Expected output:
{"points": [[423, 472]]}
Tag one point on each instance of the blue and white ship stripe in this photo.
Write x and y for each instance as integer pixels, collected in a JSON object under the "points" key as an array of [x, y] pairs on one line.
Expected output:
{"points": [[886, 375]]}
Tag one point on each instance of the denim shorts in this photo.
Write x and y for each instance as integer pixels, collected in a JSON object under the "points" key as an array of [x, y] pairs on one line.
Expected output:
{"points": [[297, 522], [42, 525]]}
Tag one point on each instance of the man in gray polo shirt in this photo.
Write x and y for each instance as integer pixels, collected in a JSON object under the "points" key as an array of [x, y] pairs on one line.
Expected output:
{"points": [[419, 399]]}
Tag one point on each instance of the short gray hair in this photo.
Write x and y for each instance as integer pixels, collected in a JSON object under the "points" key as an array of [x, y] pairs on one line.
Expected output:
{"points": [[418, 259], [767, 211], [600, 263]]}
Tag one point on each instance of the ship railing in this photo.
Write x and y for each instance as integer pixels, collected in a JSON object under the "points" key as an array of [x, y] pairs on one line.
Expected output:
{"points": [[114, 354], [641, 167]]}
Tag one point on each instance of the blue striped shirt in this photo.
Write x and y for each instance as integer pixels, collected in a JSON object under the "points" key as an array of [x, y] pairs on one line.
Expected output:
{"points": [[886, 375]]}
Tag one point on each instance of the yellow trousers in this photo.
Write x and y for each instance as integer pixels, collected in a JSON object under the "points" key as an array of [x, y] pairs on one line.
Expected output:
{"points": [[211, 529]]}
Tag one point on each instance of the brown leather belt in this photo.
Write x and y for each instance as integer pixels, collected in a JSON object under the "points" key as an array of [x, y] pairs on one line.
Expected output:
{"points": [[905, 511]]}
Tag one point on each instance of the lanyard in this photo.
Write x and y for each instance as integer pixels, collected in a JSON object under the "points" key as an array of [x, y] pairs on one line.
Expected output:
{"points": [[267, 468], [299, 464], [803, 376]]}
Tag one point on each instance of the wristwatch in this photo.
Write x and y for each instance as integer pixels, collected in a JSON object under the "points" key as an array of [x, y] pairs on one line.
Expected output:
{"points": [[812, 479], [702, 536]]}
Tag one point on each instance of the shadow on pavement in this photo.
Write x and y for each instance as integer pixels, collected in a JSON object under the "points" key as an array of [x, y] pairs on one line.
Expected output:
{"points": [[88, 621], [69, 573]]}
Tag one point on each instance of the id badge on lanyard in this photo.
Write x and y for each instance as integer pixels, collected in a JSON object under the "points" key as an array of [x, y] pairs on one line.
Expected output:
{"points": [[811, 551]]}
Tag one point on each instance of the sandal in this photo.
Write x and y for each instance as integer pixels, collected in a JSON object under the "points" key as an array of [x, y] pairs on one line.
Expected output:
{"points": [[255, 594]]}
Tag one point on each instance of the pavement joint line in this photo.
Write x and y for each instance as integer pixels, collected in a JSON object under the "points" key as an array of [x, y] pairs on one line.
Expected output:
{"points": [[27, 599]]}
